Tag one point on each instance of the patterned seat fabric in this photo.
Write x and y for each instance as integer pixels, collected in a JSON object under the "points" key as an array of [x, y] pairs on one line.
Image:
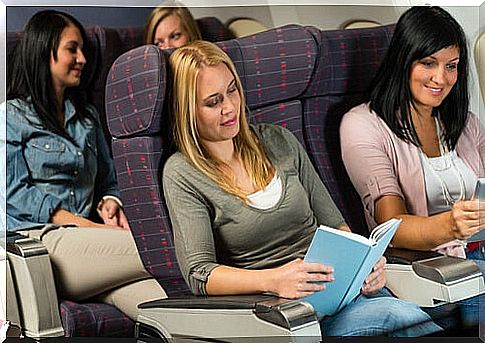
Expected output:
{"points": [[348, 60], [288, 80], [136, 108], [278, 63], [94, 320], [213, 30], [103, 47], [306, 79]]}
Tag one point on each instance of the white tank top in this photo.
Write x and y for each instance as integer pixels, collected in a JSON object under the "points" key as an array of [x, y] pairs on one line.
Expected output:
{"points": [[447, 170], [269, 197]]}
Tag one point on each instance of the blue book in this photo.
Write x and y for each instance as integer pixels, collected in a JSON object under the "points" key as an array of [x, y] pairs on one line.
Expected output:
{"points": [[352, 257]]}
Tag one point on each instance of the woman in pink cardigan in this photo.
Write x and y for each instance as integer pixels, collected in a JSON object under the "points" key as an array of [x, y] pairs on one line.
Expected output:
{"points": [[414, 151]]}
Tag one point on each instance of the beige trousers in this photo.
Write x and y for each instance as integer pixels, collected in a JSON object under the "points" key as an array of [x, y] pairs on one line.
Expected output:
{"points": [[98, 263]]}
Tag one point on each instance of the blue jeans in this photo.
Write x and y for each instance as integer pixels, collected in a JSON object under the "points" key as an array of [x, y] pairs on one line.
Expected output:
{"points": [[470, 311], [471, 308], [379, 315]]}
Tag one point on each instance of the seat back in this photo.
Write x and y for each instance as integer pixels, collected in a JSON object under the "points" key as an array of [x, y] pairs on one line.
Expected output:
{"points": [[136, 108], [298, 77], [306, 79], [348, 61], [213, 30]]}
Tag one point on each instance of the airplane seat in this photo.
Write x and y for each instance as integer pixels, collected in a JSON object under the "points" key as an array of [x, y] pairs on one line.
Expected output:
{"points": [[137, 110], [213, 30], [46, 315], [348, 60], [289, 79]]}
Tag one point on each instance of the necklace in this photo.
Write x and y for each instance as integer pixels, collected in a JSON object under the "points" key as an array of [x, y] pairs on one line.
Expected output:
{"points": [[447, 164]]}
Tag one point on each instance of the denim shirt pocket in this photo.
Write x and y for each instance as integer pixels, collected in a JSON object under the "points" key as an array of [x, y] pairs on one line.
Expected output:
{"points": [[48, 159]]}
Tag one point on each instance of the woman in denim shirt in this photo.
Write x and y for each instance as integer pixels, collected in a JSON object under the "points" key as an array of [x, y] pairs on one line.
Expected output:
{"points": [[59, 169]]}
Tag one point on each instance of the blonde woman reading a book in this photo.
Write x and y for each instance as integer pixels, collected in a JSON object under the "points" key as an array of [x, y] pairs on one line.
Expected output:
{"points": [[414, 151], [245, 201]]}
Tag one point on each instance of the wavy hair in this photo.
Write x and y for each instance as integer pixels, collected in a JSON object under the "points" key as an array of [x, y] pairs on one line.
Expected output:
{"points": [[420, 32], [186, 63]]}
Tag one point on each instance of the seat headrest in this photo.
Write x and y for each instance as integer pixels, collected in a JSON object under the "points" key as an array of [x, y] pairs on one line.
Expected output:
{"points": [[349, 59], [275, 65], [136, 92], [212, 29]]}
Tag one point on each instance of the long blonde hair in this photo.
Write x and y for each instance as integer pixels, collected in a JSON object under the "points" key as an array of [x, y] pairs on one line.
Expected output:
{"points": [[163, 11], [186, 63]]}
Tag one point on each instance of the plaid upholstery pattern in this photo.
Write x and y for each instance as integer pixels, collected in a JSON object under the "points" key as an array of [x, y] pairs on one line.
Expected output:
{"points": [[347, 64], [275, 68], [135, 100], [298, 77], [94, 320], [288, 77], [213, 30], [135, 92]]}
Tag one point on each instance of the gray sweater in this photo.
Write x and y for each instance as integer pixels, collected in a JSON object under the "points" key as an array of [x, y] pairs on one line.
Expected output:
{"points": [[212, 227]]}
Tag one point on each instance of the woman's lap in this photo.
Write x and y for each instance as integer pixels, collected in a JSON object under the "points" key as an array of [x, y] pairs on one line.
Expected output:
{"points": [[379, 315], [90, 261]]}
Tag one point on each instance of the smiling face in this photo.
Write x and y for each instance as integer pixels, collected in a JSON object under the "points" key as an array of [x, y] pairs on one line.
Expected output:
{"points": [[170, 33], [433, 77], [218, 105], [67, 67]]}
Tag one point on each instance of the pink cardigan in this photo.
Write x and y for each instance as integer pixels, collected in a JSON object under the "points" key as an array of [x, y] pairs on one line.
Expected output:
{"points": [[379, 163]]}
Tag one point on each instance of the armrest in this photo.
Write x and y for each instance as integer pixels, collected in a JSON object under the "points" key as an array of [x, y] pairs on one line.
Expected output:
{"points": [[430, 279], [217, 317], [34, 286]]}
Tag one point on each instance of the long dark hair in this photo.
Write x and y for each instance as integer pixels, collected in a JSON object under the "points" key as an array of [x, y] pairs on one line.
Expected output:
{"points": [[420, 32], [31, 75]]}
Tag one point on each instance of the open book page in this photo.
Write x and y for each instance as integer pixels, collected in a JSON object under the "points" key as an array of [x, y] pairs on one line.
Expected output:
{"points": [[349, 235], [380, 231]]}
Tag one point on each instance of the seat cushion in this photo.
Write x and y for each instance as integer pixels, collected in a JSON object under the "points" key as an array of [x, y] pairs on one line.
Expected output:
{"points": [[94, 320]]}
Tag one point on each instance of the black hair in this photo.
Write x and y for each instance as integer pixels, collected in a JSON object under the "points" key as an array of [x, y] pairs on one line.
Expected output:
{"points": [[31, 75], [420, 32]]}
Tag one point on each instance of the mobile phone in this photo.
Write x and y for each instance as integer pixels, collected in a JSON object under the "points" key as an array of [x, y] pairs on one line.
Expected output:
{"points": [[479, 192]]}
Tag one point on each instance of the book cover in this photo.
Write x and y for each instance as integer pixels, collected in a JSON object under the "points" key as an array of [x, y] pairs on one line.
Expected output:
{"points": [[352, 256]]}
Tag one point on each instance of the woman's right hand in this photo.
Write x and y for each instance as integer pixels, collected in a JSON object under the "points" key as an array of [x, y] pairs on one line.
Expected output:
{"points": [[467, 217], [64, 217], [297, 279]]}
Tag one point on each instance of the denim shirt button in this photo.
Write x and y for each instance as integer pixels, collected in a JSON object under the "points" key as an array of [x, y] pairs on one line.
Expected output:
{"points": [[76, 172], [72, 193], [79, 153], [47, 146]]}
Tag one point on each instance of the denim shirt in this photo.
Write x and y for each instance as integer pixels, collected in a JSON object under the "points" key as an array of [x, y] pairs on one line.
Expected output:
{"points": [[46, 171]]}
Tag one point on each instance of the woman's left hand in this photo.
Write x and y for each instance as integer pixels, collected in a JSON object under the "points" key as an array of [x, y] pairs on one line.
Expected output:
{"points": [[376, 279], [113, 215]]}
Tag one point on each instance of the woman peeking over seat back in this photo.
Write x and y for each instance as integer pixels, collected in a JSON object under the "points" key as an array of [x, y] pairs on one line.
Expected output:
{"points": [[245, 200], [171, 25], [59, 169]]}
